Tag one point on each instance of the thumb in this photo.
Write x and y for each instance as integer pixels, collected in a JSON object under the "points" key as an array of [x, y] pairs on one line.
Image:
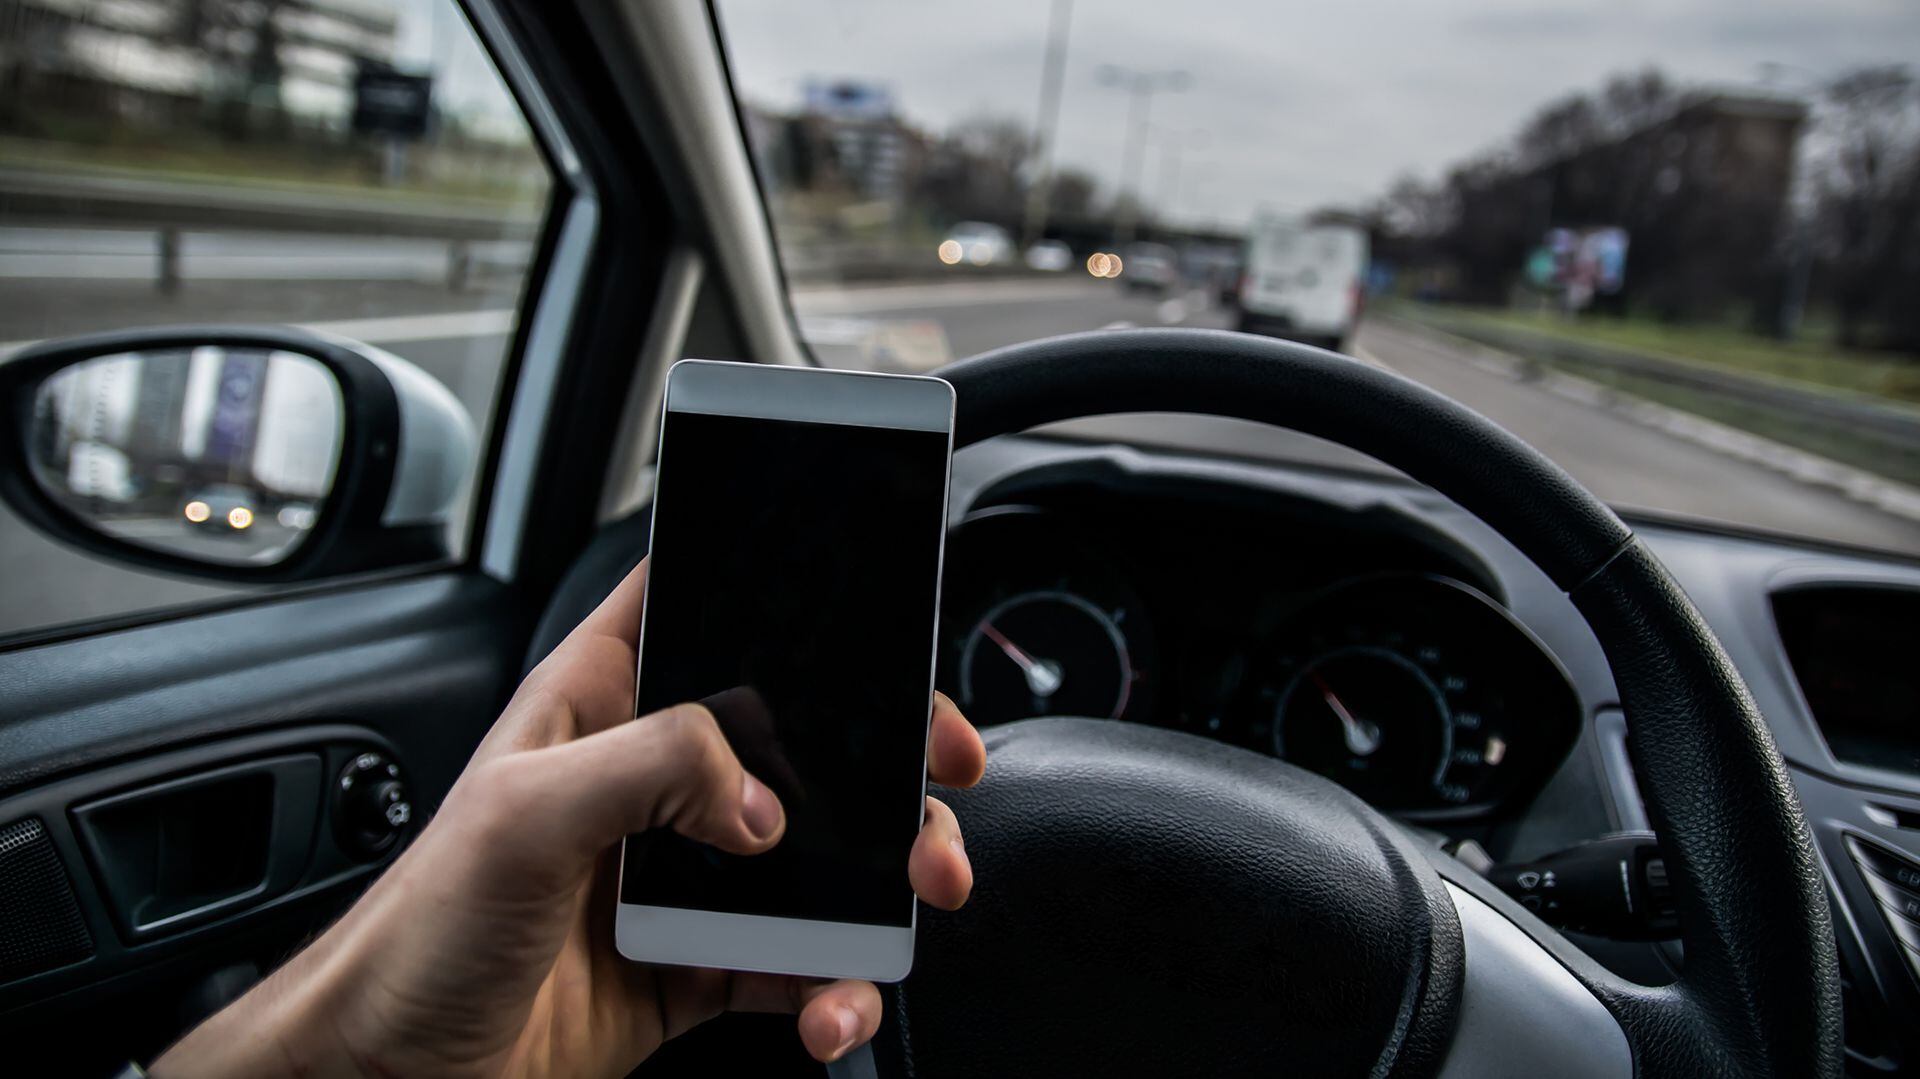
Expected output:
{"points": [[673, 769]]}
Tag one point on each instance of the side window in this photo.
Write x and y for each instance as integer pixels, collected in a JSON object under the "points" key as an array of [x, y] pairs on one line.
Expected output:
{"points": [[353, 167]]}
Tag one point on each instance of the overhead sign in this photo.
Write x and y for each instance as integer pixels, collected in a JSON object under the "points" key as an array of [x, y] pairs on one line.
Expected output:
{"points": [[848, 99], [387, 102]]}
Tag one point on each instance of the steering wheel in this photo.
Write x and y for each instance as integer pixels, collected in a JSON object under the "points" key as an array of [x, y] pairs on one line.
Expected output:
{"points": [[1150, 902]]}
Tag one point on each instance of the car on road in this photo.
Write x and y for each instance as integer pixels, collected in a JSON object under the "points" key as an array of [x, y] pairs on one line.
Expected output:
{"points": [[1506, 700], [221, 509], [1050, 256], [976, 243], [1304, 282], [1148, 267]]}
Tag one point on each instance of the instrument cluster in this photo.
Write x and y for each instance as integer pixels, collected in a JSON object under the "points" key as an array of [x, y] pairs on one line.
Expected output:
{"points": [[1411, 688]]}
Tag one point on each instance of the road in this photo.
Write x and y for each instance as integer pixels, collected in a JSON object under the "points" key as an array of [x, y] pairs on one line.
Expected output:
{"points": [[1624, 462], [460, 339]]}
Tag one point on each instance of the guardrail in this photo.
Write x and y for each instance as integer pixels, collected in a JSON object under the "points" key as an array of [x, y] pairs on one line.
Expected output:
{"points": [[1894, 425], [168, 207]]}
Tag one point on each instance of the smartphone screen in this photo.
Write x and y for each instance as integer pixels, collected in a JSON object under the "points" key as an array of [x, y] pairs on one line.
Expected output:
{"points": [[793, 590]]}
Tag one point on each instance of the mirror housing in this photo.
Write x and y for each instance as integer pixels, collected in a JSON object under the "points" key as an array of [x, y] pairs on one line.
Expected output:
{"points": [[405, 447]]}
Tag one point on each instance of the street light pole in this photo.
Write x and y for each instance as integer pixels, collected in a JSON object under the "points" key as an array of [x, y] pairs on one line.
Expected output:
{"points": [[1141, 84], [1040, 192], [1171, 148]]}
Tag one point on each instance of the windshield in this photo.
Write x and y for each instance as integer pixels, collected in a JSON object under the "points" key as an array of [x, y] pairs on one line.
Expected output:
{"points": [[1671, 246]]}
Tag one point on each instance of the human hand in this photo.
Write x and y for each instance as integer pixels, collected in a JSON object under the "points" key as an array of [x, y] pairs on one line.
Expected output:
{"points": [[487, 949]]}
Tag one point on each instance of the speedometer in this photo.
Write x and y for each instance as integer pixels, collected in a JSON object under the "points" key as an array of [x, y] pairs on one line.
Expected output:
{"points": [[1416, 693], [1377, 720]]}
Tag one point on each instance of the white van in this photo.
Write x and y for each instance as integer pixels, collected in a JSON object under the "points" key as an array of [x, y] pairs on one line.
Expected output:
{"points": [[1303, 282]]}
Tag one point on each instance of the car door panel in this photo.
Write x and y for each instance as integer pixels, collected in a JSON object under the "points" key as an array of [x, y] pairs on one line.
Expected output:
{"points": [[289, 690], [424, 660]]}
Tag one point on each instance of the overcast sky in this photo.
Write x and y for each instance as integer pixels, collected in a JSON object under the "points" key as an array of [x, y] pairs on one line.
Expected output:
{"points": [[1293, 104], [1298, 103]]}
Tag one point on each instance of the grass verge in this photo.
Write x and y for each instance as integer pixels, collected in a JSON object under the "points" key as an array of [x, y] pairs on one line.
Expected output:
{"points": [[1807, 362], [1860, 448]]}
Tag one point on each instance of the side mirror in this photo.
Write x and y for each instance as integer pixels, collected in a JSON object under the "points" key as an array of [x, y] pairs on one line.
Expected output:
{"points": [[237, 453]]}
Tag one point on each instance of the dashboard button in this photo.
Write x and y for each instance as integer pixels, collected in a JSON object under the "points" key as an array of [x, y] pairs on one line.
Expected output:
{"points": [[1893, 898], [1885, 864], [371, 808], [1905, 929], [1895, 884]]}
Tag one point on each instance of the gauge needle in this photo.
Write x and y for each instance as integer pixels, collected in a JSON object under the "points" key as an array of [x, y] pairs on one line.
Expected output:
{"points": [[1043, 675], [1362, 737]]}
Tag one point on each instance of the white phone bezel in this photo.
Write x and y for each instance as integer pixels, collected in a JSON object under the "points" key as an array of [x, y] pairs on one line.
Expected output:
{"points": [[745, 942]]}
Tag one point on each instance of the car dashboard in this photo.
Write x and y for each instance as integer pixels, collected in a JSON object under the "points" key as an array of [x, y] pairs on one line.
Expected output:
{"points": [[1360, 626]]}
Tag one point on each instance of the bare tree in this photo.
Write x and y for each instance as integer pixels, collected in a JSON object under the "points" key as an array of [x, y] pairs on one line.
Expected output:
{"points": [[1560, 130], [979, 169], [1074, 193], [1630, 103], [1865, 174], [1576, 123], [1416, 209]]}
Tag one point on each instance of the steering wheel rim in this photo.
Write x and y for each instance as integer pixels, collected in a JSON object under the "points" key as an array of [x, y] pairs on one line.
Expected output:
{"points": [[1759, 994]]}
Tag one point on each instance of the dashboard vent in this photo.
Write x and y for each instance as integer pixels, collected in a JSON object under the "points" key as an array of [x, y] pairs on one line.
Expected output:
{"points": [[1852, 648], [40, 923]]}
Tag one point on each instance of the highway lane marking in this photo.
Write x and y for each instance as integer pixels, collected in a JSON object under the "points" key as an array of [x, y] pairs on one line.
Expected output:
{"points": [[1889, 496]]}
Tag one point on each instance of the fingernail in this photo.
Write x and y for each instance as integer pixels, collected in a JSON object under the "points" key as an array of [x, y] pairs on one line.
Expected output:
{"points": [[960, 851], [759, 808], [847, 1025]]}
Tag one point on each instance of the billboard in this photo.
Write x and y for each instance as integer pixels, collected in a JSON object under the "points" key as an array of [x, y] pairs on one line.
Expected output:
{"points": [[386, 102], [848, 100], [1580, 263]]}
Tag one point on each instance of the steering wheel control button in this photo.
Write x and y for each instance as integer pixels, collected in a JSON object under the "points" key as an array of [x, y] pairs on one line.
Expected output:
{"points": [[371, 807]]}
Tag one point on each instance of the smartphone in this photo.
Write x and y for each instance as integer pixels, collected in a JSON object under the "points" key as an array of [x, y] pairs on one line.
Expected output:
{"points": [[799, 524]]}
